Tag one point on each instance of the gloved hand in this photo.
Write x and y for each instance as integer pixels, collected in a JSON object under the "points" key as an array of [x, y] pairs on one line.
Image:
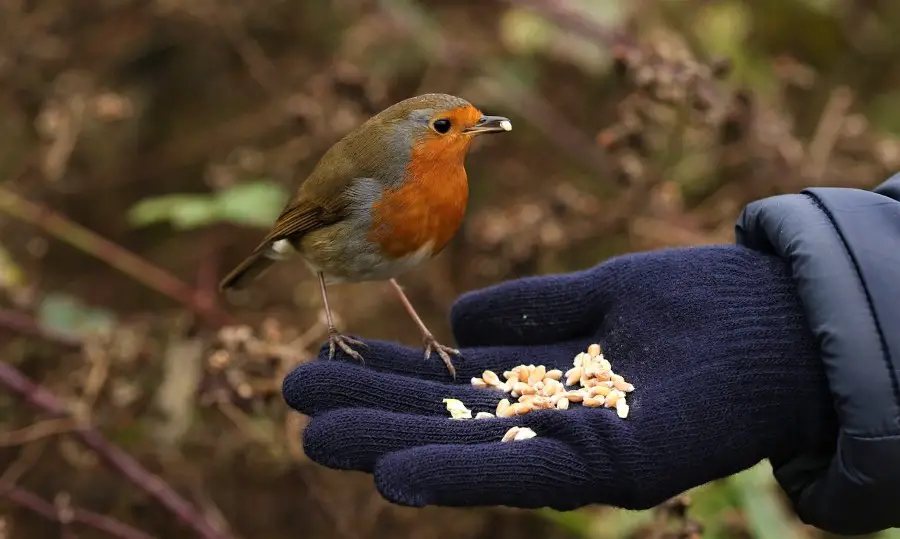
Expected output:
{"points": [[713, 338]]}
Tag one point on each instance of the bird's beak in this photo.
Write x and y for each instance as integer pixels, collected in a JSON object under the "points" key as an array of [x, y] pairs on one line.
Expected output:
{"points": [[490, 124]]}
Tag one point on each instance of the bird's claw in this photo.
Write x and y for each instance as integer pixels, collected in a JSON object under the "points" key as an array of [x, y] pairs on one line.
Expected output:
{"points": [[343, 342], [431, 345]]}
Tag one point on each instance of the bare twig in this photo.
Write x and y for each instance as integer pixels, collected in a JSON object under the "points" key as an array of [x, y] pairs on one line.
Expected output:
{"points": [[176, 393], [28, 456], [62, 502], [261, 69], [97, 374], [68, 514], [541, 114], [56, 160], [36, 431], [244, 423], [114, 457], [207, 277], [827, 132], [197, 145], [116, 256]]}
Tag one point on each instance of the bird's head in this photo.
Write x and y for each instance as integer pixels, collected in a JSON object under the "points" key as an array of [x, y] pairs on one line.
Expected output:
{"points": [[435, 128]]}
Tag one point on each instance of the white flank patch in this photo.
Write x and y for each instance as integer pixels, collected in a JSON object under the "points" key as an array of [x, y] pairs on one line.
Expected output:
{"points": [[282, 248]]}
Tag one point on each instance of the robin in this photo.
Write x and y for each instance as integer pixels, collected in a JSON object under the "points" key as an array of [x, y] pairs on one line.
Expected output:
{"points": [[385, 198]]}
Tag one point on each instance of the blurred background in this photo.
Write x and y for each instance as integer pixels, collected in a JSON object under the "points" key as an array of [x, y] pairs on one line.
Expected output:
{"points": [[148, 144]]}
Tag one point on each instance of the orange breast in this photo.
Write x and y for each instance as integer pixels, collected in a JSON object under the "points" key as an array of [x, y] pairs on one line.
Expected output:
{"points": [[431, 204]]}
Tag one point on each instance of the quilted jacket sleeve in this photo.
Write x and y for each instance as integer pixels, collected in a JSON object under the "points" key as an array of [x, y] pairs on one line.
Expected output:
{"points": [[844, 248]]}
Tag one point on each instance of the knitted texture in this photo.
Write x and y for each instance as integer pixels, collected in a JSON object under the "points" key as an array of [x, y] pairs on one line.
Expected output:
{"points": [[713, 338]]}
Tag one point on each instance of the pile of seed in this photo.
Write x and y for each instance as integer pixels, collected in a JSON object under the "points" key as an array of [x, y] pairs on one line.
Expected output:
{"points": [[591, 382]]}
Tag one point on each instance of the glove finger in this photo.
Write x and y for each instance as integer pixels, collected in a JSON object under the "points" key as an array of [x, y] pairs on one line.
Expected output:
{"points": [[354, 438], [540, 472], [529, 311], [388, 357], [323, 385]]}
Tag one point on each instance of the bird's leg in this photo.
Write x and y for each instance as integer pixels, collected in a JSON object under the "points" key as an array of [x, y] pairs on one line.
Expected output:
{"points": [[431, 344], [334, 336]]}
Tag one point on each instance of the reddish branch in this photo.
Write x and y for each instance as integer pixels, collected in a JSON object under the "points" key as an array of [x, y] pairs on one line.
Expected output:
{"points": [[72, 515], [141, 270], [115, 458]]}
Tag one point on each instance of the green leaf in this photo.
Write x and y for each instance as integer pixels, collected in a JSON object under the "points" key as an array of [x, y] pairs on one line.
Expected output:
{"points": [[766, 516], [68, 315], [255, 203], [193, 213], [577, 523], [710, 502], [892, 533], [524, 31], [884, 111], [180, 210], [11, 275], [722, 27]]}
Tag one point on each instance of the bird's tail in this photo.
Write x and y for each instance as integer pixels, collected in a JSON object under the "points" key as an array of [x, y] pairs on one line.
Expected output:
{"points": [[252, 267]]}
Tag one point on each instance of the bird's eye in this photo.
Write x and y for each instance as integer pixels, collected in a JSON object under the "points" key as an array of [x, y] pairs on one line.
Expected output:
{"points": [[442, 125]]}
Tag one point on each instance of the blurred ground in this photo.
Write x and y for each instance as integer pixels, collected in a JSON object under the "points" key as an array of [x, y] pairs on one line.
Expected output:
{"points": [[173, 128]]}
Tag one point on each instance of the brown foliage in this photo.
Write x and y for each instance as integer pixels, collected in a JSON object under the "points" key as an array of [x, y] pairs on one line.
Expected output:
{"points": [[115, 102]]}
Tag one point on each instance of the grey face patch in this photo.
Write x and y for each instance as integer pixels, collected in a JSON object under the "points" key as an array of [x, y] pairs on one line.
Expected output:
{"points": [[421, 116], [400, 140]]}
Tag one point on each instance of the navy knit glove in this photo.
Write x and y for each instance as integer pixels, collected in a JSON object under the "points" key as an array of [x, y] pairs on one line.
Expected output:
{"points": [[713, 338]]}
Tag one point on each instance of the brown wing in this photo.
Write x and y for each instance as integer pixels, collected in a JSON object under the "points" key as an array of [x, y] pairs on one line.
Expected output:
{"points": [[300, 218], [322, 199]]}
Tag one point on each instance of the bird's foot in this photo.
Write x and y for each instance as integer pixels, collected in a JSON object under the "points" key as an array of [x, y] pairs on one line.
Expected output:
{"points": [[337, 340], [431, 345]]}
